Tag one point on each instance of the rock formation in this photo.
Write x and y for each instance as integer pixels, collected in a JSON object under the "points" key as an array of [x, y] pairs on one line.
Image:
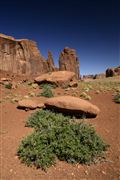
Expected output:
{"points": [[21, 56], [68, 61], [28, 104], [99, 76], [50, 62], [110, 72], [58, 78], [90, 76], [72, 105]]}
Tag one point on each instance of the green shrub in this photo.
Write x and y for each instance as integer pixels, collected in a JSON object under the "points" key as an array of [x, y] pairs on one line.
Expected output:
{"points": [[57, 136], [74, 94], [79, 143], [46, 85], [46, 119], [117, 98], [85, 96], [47, 91], [8, 86], [36, 149]]}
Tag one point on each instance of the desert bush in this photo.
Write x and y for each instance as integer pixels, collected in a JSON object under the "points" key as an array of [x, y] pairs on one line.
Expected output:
{"points": [[74, 94], [58, 137], [47, 91], [47, 85], [65, 85], [117, 98], [8, 86], [45, 119], [85, 96], [36, 150]]}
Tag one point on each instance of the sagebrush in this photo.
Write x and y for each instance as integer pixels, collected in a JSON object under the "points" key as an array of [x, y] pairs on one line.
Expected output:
{"points": [[8, 86], [47, 90], [117, 98], [58, 137]]}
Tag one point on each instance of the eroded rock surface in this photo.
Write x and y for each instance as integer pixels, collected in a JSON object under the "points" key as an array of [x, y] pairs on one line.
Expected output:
{"points": [[21, 56], [28, 104], [68, 61], [50, 62], [58, 78], [72, 105]]}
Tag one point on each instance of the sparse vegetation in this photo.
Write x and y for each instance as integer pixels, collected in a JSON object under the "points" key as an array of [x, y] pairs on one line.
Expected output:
{"points": [[47, 91], [103, 85], [58, 137], [117, 98], [85, 96], [74, 94], [8, 86], [65, 86], [46, 85]]}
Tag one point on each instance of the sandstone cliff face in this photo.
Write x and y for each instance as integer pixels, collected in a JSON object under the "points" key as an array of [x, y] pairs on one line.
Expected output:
{"points": [[21, 56], [68, 61]]}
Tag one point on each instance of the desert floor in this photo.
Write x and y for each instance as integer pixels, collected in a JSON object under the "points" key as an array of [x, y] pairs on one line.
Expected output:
{"points": [[13, 130]]}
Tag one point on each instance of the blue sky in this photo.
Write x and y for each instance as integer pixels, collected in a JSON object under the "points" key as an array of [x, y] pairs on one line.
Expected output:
{"points": [[90, 26]]}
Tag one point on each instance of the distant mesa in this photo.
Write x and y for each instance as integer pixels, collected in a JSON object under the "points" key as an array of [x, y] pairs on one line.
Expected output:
{"points": [[22, 57], [110, 72]]}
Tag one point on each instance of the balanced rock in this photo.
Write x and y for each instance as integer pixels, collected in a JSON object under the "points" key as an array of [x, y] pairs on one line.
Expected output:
{"points": [[58, 77], [68, 61], [29, 104], [72, 105]]}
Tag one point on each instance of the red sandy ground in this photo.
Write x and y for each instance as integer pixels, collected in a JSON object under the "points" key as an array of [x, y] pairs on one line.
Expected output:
{"points": [[13, 130]]}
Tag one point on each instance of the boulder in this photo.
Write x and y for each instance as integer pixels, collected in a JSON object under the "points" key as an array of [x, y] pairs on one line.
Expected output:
{"points": [[28, 104], [68, 61], [5, 79], [58, 77], [73, 84], [117, 70], [110, 72], [72, 105]]}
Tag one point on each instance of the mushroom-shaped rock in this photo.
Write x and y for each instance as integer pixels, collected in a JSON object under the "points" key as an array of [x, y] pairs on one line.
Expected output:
{"points": [[59, 77], [29, 104], [72, 105]]}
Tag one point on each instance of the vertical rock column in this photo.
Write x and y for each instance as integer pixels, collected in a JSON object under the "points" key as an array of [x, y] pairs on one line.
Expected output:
{"points": [[68, 61]]}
